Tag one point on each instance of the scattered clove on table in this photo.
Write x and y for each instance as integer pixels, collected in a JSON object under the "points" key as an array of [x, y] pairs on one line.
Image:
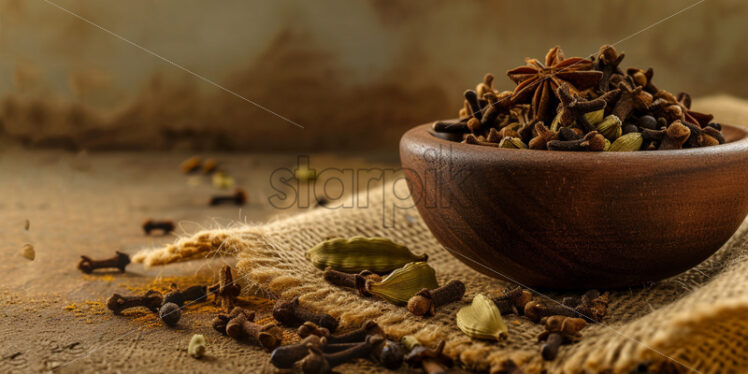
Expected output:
{"points": [[226, 290], [119, 261], [166, 226], [151, 300]]}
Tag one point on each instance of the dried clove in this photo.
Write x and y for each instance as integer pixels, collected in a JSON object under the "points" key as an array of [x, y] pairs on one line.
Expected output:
{"points": [[240, 326], [549, 350], [675, 136], [119, 261], [594, 306], [593, 142], [542, 137], [166, 226], [426, 301], [309, 328], [357, 335], [151, 300], [290, 314], [458, 126], [389, 354], [179, 297], [559, 330], [574, 109], [221, 320], [318, 362], [472, 99], [432, 361], [225, 290], [286, 356], [513, 301], [535, 310], [239, 197]]}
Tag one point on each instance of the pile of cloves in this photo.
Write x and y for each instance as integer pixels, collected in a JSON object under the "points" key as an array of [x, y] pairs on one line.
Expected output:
{"points": [[319, 351], [413, 285], [579, 104], [168, 307], [563, 320]]}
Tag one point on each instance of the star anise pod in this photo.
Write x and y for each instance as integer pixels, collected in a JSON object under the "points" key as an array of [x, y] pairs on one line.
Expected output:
{"points": [[537, 83]]}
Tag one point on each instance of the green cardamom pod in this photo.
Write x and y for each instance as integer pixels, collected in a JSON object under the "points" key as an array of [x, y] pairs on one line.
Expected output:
{"points": [[555, 123], [627, 143], [607, 145], [610, 127], [512, 142], [403, 283], [482, 319], [378, 255], [592, 117], [512, 126]]}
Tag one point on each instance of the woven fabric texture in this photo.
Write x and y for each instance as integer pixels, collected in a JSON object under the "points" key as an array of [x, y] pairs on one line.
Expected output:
{"points": [[695, 321]]}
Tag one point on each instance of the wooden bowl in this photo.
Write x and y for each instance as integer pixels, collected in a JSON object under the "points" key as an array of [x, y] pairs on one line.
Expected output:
{"points": [[577, 220]]}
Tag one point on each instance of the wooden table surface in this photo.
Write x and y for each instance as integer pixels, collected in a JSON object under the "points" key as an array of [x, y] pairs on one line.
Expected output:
{"points": [[53, 316]]}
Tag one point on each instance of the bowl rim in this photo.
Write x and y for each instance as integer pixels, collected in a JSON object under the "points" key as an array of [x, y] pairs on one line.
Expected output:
{"points": [[423, 135]]}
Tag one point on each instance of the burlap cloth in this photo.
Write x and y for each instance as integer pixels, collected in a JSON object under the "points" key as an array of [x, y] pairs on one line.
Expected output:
{"points": [[697, 320]]}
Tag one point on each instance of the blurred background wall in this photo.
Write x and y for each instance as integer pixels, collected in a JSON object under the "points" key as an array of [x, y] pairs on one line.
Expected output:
{"points": [[355, 74]]}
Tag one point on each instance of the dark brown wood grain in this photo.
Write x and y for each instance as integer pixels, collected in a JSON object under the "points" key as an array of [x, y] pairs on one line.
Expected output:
{"points": [[577, 220]]}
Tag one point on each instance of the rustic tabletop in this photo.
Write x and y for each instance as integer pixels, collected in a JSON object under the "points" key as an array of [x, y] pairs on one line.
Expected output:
{"points": [[54, 317]]}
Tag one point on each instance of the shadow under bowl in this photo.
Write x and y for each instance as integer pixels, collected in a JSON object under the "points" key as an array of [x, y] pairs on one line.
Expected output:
{"points": [[578, 220]]}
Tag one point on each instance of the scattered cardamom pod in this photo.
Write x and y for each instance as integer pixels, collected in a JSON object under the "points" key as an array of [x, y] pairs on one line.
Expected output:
{"points": [[403, 283], [627, 143], [357, 254], [512, 142], [592, 117], [222, 180], [482, 320], [196, 348], [610, 127], [305, 174]]}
